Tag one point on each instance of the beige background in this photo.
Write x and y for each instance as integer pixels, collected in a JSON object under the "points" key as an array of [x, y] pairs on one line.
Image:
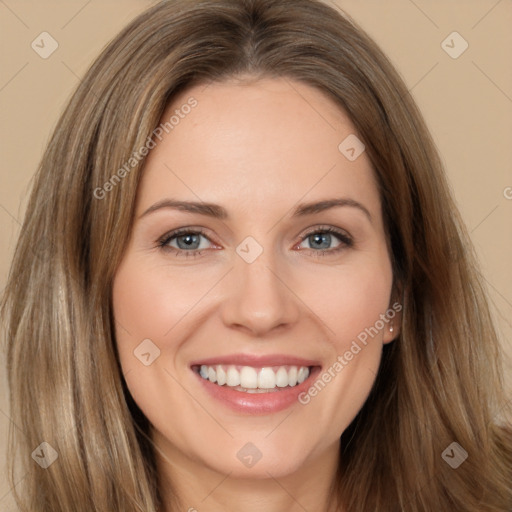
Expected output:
{"points": [[467, 103]]}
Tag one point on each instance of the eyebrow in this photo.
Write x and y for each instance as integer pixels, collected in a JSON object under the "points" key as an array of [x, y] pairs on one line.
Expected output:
{"points": [[219, 212]]}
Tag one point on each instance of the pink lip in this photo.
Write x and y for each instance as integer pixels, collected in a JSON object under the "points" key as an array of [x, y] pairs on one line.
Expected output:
{"points": [[257, 403], [257, 361]]}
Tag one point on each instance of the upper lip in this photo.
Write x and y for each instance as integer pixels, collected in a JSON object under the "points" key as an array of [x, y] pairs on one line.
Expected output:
{"points": [[256, 361]]}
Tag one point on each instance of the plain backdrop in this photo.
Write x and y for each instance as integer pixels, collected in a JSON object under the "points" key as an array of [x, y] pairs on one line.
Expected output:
{"points": [[467, 103]]}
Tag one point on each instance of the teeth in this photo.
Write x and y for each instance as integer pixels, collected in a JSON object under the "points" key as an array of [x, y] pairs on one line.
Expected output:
{"points": [[248, 378], [281, 378], [252, 380], [221, 376], [267, 378], [302, 375], [233, 377], [292, 376]]}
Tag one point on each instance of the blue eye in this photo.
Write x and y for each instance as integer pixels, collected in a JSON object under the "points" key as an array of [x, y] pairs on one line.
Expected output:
{"points": [[321, 239], [187, 242]]}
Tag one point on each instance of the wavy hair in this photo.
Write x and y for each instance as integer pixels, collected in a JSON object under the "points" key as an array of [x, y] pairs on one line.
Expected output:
{"points": [[439, 382]]}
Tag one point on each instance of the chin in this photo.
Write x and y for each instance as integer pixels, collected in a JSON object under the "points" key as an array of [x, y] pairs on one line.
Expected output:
{"points": [[260, 460]]}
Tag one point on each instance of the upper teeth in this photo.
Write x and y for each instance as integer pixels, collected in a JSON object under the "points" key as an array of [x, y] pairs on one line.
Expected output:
{"points": [[251, 378]]}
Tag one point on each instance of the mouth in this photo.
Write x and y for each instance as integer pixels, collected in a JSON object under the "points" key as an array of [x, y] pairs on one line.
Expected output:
{"points": [[248, 379], [255, 384]]}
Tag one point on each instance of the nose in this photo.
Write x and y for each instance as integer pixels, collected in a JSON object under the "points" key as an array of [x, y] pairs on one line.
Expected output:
{"points": [[258, 299]]}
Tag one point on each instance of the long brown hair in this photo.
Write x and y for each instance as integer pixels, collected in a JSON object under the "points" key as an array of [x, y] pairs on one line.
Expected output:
{"points": [[439, 382]]}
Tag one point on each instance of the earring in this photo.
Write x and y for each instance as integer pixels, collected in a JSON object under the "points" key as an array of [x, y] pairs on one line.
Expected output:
{"points": [[391, 328]]}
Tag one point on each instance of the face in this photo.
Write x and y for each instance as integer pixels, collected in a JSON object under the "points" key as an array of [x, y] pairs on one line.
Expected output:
{"points": [[254, 297]]}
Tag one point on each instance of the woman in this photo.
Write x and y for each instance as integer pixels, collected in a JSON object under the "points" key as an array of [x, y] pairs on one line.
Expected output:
{"points": [[175, 340]]}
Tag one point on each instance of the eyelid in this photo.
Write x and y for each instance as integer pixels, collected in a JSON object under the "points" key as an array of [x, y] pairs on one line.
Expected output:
{"points": [[342, 233], [174, 233]]}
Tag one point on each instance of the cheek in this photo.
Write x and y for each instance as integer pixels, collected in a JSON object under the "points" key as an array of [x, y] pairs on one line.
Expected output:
{"points": [[147, 307], [148, 303], [351, 300], [352, 306]]}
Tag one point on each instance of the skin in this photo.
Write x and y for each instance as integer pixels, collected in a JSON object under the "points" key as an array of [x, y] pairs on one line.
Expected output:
{"points": [[257, 149]]}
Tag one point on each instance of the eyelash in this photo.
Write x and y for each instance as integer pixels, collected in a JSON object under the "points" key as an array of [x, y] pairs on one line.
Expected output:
{"points": [[346, 241]]}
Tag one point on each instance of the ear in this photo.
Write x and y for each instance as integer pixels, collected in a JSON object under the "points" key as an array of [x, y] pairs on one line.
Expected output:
{"points": [[394, 317]]}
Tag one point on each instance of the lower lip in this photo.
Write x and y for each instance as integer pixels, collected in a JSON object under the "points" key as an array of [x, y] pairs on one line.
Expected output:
{"points": [[257, 403]]}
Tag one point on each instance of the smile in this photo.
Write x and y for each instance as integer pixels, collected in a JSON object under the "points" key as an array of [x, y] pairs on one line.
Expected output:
{"points": [[251, 379], [254, 383]]}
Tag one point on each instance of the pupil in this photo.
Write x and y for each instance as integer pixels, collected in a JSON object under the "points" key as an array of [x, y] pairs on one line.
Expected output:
{"points": [[188, 240], [325, 237]]}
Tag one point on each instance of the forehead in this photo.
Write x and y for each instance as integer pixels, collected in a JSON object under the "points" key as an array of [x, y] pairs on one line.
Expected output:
{"points": [[260, 143]]}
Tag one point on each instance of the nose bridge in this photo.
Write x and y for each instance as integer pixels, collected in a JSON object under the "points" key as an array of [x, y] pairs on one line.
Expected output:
{"points": [[258, 298]]}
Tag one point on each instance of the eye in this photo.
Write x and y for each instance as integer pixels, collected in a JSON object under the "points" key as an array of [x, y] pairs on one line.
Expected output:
{"points": [[185, 242], [321, 239], [189, 242]]}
